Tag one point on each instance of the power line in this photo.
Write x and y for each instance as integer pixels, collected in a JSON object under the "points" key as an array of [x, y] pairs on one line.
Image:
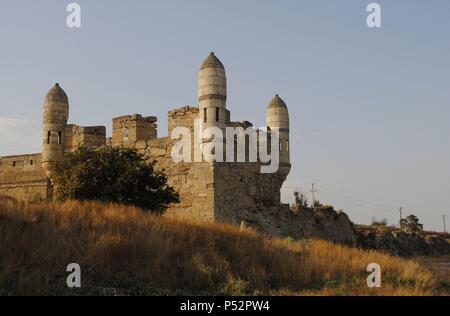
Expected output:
{"points": [[27, 120], [375, 207], [352, 201], [20, 113]]}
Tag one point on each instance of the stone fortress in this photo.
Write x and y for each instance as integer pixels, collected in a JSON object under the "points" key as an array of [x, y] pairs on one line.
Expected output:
{"points": [[231, 192]]}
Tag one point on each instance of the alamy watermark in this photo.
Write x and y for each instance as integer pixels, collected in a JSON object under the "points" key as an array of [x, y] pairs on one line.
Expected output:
{"points": [[374, 278], [74, 278], [374, 18], [229, 144], [73, 20]]}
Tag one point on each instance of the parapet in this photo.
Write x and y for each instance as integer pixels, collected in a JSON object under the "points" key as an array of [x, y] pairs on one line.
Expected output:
{"points": [[182, 117], [86, 136], [243, 124], [129, 129]]}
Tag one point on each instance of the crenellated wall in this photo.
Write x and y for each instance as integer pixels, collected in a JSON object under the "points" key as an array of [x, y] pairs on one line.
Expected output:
{"points": [[182, 117], [129, 129], [88, 136]]}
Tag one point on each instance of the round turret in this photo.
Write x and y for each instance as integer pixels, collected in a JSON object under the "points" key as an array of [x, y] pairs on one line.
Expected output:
{"points": [[212, 93], [56, 114], [278, 117]]}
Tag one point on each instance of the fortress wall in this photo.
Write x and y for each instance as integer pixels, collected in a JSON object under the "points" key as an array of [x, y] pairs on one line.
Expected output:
{"points": [[227, 192], [93, 136], [194, 182], [129, 129], [70, 138], [241, 186], [89, 136], [182, 117], [23, 178]]}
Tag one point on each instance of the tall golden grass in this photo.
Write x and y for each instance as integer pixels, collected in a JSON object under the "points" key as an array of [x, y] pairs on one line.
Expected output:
{"points": [[124, 251]]}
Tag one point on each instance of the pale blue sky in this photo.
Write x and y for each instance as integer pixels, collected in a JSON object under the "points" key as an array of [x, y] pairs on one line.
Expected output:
{"points": [[369, 108]]}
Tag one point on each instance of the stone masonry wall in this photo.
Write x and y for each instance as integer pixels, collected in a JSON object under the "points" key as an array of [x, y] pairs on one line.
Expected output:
{"points": [[129, 129], [194, 182], [182, 117], [23, 178], [241, 186], [90, 136]]}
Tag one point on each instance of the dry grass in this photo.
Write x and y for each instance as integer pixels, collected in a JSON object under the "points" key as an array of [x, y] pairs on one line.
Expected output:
{"points": [[124, 251], [440, 267]]}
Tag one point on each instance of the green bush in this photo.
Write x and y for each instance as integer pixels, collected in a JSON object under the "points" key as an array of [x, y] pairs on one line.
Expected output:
{"points": [[110, 174]]}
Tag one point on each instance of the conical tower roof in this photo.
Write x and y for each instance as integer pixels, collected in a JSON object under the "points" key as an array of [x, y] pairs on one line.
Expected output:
{"points": [[277, 102], [57, 94], [212, 61]]}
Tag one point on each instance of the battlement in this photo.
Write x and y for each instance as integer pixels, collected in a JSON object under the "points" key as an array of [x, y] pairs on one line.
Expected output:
{"points": [[243, 124], [183, 111], [135, 117], [129, 129], [84, 136], [182, 117]]}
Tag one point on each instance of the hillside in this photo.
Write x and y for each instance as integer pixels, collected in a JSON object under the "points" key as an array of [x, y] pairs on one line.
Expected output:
{"points": [[400, 243], [123, 251]]}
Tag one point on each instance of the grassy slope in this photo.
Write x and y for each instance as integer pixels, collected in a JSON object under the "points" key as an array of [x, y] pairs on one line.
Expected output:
{"points": [[124, 251]]}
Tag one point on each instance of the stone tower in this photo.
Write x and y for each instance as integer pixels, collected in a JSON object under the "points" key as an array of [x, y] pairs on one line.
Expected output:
{"points": [[278, 117], [212, 96], [56, 114]]}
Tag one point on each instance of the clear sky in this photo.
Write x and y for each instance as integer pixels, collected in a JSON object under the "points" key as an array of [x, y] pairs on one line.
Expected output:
{"points": [[369, 108]]}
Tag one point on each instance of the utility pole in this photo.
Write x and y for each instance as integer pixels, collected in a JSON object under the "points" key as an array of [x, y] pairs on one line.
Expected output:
{"points": [[445, 228], [401, 216], [313, 191]]}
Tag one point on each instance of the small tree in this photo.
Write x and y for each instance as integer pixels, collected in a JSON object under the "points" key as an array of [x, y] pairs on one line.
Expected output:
{"points": [[377, 222], [300, 200], [316, 204], [110, 174], [411, 224]]}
